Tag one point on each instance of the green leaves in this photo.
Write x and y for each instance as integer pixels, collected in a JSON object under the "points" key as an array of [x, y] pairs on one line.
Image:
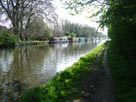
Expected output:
{"points": [[8, 39], [123, 73]]}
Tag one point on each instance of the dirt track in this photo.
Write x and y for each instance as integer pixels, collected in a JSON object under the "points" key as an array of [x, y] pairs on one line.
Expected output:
{"points": [[99, 86], [104, 85]]}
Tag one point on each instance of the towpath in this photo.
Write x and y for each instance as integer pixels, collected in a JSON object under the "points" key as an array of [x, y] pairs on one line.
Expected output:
{"points": [[101, 81]]}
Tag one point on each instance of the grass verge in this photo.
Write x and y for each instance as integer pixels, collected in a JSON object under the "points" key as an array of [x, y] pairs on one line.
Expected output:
{"points": [[124, 77], [66, 85]]}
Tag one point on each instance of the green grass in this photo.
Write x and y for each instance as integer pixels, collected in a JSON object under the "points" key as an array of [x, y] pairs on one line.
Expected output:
{"points": [[66, 85], [124, 77]]}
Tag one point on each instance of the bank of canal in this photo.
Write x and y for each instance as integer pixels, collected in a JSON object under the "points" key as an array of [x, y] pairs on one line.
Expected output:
{"points": [[29, 66], [72, 84]]}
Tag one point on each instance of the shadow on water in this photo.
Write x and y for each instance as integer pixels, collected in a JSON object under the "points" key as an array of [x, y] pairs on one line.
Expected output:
{"points": [[11, 91]]}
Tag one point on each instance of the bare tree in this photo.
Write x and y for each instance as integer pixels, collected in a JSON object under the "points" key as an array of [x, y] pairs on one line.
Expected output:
{"points": [[20, 12]]}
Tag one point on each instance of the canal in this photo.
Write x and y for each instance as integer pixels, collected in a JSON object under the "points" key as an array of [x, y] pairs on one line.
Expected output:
{"points": [[26, 67]]}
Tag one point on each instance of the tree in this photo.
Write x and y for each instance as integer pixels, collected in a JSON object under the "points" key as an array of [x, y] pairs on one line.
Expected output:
{"points": [[121, 21], [38, 29], [79, 30], [57, 28], [20, 12]]}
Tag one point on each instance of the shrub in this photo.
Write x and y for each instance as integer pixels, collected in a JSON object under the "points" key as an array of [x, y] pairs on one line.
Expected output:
{"points": [[7, 39], [123, 73]]}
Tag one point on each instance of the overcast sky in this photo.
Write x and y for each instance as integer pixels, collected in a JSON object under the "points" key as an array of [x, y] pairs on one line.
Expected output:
{"points": [[83, 18]]}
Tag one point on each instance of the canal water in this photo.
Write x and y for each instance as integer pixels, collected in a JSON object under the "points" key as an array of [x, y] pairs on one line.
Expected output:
{"points": [[26, 67]]}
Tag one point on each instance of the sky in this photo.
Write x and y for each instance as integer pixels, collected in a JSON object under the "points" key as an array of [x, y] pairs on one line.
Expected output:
{"points": [[3, 22], [83, 18], [64, 14]]}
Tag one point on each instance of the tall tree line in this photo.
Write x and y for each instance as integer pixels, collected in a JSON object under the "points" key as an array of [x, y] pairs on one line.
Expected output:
{"points": [[80, 30]]}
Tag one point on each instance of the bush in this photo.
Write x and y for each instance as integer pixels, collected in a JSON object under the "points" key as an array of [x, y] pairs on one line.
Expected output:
{"points": [[7, 39], [123, 73]]}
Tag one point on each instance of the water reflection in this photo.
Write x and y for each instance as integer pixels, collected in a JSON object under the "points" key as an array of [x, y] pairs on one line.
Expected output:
{"points": [[6, 58], [25, 67]]}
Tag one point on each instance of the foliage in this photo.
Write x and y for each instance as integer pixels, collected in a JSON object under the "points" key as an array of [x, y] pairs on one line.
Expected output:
{"points": [[38, 29], [7, 39], [72, 34], [123, 73], [67, 85], [80, 30], [121, 21]]}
